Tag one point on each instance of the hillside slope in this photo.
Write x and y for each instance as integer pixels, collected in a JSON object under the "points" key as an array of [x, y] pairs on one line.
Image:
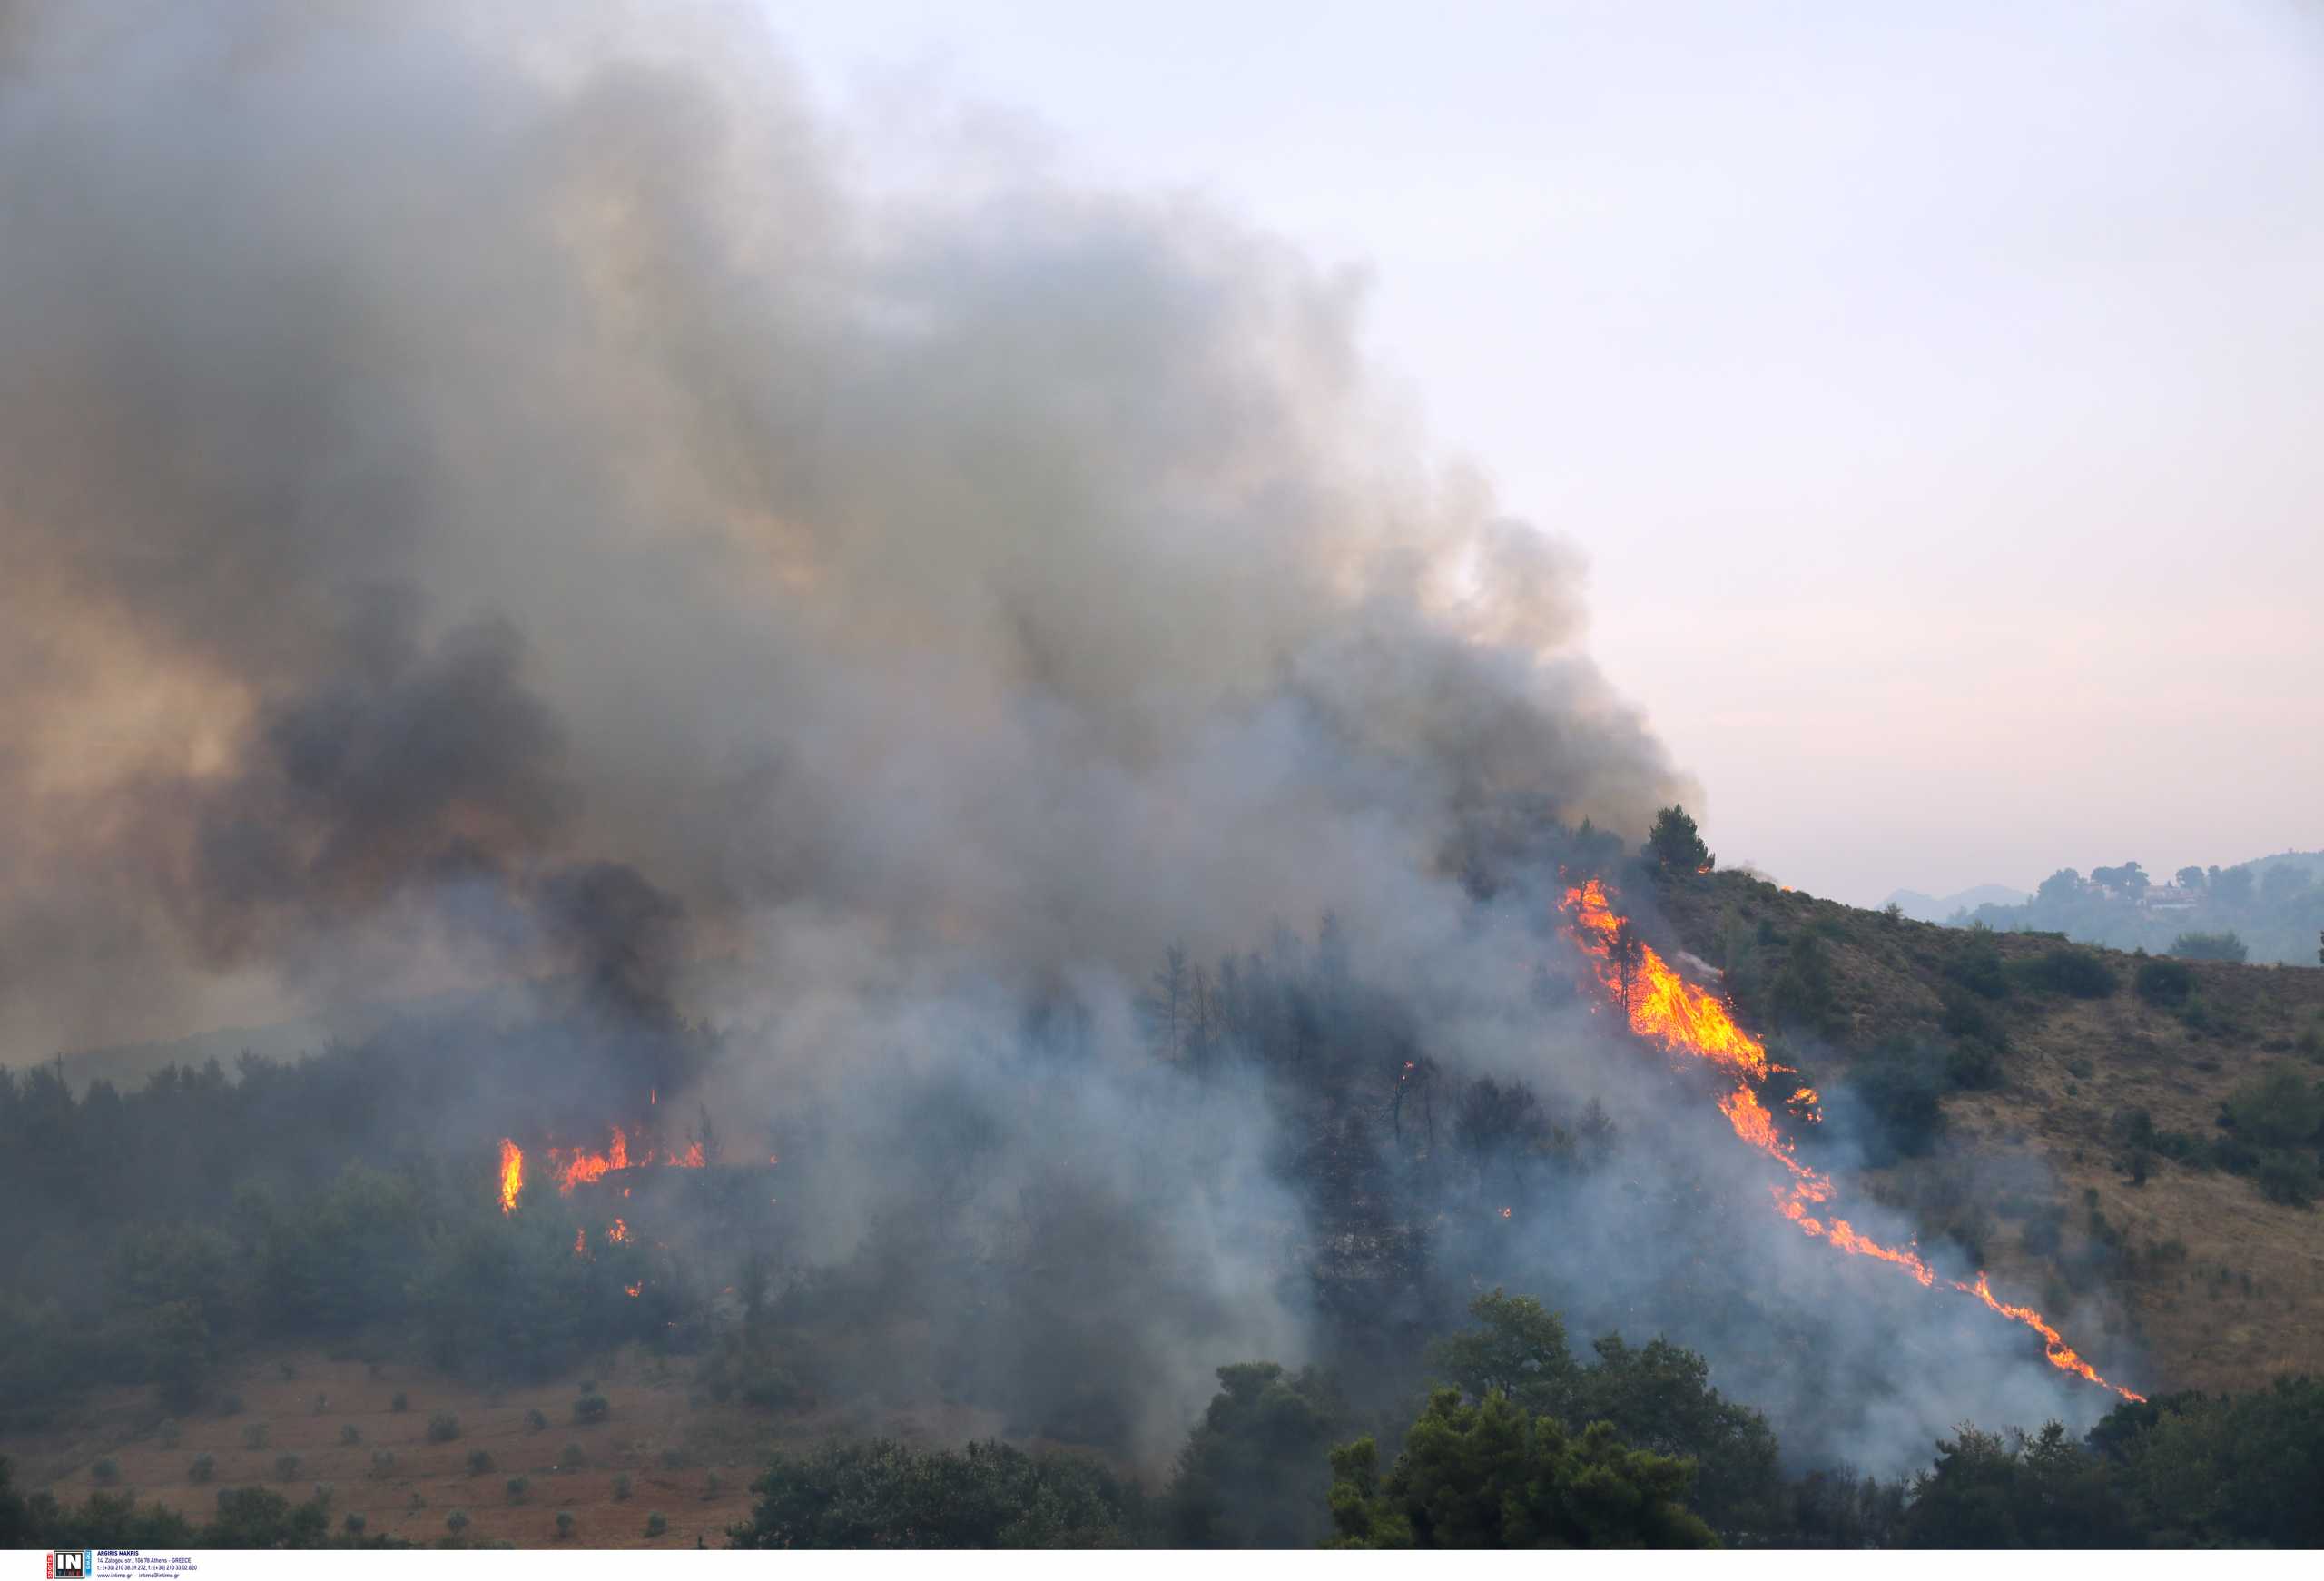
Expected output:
{"points": [[2087, 1157]]}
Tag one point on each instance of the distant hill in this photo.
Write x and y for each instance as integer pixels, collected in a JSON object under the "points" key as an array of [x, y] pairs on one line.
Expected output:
{"points": [[1926, 908], [2274, 906]]}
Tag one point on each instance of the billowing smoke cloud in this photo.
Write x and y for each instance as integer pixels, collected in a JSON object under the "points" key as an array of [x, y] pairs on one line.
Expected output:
{"points": [[485, 495], [444, 446]]}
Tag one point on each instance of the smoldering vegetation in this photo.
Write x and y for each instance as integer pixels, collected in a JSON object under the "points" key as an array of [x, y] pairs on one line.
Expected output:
{"points": [[969, 696]]}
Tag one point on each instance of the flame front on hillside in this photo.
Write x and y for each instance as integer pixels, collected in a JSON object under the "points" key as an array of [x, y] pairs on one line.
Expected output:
{"points": [[1666, 1009], [572, 1166]]}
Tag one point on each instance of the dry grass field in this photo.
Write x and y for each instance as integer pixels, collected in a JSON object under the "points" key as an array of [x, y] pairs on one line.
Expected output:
{"points": [[686, 1458]]}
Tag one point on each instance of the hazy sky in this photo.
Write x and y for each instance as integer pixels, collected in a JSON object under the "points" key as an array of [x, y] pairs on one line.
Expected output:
{"points": [[1937, 393]]}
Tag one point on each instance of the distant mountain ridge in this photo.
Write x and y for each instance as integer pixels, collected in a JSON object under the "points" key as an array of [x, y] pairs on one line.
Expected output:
{"points": [[1925, 908], [2273, 907]]}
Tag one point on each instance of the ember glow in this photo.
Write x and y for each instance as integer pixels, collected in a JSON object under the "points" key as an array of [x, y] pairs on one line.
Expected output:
{"points": [[1681, 1019]]}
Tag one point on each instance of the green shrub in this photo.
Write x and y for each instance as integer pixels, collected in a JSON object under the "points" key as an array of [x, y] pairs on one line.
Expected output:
{"points": [[655, 1525], [2287, 1178], [254, 1436], [1976, 964], [884, 1493], [1901, 1085], [479, 1462], [1973, 1066], [106, 1472], [230, 1404], [563, 1523], [518, 1486], [399, 1402], [534, 1422], [572, 1458], [168, 1433], [590, 1407], [349, 1434], [621, 1487], [203, 1468], [383, 1463], [1801, 993], [443, 1428], [2063, 969], [2281, 1108], [2164, 983], [1963, 1017], [457, 1522], [286, 1467], [354, 1523], [2223, 946]]}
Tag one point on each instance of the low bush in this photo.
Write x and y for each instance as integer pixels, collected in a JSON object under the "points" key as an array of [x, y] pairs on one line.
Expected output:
{"points": [[2164, 983], [2063, 969]]}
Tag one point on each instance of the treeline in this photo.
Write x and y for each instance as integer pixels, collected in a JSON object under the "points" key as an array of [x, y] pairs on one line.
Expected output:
{"points": [[2269, 910], [1518, 1444]]}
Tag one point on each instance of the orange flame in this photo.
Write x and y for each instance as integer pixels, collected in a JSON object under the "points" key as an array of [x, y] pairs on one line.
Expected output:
{"points": [[582, 1166], [631, 1290], [1666, 1009], [620, 1231], [580, 1243], [512, 1174], [689, 1160]]}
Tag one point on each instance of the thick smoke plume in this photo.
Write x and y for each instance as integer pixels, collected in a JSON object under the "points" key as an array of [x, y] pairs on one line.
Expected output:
{"points": [[487, 495], [444, 444]]}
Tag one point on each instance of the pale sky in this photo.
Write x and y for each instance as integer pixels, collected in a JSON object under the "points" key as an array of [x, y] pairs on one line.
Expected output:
{"points": [[1935, 393]]}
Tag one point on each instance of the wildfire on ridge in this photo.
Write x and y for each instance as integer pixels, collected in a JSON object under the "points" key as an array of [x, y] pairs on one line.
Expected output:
{"points": [[1665, 1009]]}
